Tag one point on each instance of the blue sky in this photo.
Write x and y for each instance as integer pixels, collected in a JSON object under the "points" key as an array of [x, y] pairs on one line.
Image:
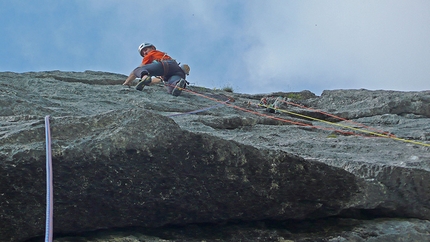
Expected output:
{"points": [[254, 46]]}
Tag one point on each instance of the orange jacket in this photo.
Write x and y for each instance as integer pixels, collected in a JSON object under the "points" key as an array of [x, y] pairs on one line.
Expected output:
{"points": [[155, 55]]}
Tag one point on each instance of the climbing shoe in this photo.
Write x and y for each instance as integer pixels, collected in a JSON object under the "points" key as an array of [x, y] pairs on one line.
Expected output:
{"points": [[180, 85], [144, 82]]}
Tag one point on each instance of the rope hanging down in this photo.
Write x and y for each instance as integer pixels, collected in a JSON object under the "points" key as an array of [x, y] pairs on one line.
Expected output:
{"points": [[49, 184]]}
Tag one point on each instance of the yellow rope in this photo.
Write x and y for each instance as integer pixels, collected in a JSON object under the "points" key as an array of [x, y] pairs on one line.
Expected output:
{"points": [[316, 119], [345, 126]]}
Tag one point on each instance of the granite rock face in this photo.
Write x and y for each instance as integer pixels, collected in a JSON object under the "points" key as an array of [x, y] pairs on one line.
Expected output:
{"points": [[124, 158]]}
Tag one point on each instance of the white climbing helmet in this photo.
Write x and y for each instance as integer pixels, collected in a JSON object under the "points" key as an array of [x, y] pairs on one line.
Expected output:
{"points": [[185, 68], [144, 45]]}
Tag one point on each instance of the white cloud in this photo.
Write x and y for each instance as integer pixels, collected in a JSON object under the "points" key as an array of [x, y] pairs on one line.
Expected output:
{"points": [[340, 44], [254, 46]]}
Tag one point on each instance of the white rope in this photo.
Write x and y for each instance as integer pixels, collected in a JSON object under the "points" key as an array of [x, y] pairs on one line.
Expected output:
{"points": [[49, 186]]}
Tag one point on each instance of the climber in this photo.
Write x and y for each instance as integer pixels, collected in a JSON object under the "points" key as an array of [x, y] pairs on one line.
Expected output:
{"points": [[162, 67]]}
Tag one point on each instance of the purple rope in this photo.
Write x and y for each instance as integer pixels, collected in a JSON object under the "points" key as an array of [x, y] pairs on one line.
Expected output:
{"points": [[49, 186]]}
